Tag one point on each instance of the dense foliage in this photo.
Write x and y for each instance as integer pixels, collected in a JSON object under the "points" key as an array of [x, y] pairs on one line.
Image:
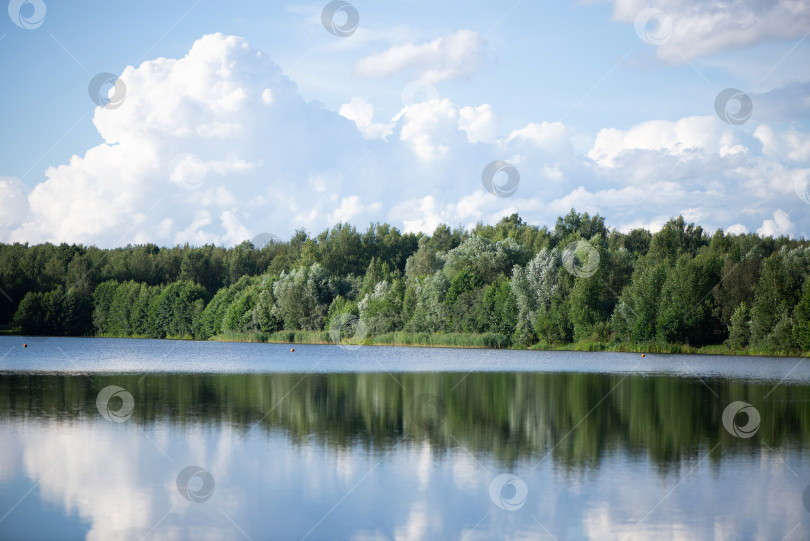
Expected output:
{"points": [[576, 282]]}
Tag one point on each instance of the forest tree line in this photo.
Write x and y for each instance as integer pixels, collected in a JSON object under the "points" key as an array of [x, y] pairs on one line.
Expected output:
{"points": [[575, 282]]}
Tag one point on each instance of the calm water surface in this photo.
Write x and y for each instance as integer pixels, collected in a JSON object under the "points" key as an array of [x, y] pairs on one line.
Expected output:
{"points": [[97, 437]]}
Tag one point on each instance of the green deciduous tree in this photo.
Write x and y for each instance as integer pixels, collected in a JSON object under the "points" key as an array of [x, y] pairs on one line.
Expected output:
{"points": [[119, 319], [430, 313], [341, 251], [424, 262], [553, 323], [587, 299], [739, 278], [102, 302], [303, 297], [677, 238], [686, 302], [534, 287], [172, 312], [340, 306], [484, 259], [801, 318], [211, 320], [240, 261], [381, 310], [30, 317], [582, 225], [586, 306], [739, 332], [498, 311], [776, 294], [239, 315], [636, 313], [377, 271], [55, 313]]}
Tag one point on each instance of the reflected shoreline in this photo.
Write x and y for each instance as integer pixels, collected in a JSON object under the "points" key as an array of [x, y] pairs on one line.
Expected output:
{"points": [[579, 417]]}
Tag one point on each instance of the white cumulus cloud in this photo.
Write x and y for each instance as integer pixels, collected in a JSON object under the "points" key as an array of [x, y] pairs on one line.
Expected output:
{"points": [[687, 135], [453, 56], [218, 146], [701, 28], [780, 225], [362, 113]]}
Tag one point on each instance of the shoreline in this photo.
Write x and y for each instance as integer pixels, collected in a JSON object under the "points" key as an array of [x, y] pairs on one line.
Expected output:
{"points": [[459, 341]]}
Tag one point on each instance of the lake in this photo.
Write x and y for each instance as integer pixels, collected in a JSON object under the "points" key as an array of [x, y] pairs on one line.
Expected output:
{"points": [[147, 439]]}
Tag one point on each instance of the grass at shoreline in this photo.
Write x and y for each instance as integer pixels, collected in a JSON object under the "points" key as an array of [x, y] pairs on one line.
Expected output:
{"points": [[458, 340], [666, 348], [497, 341], [469, 341]]}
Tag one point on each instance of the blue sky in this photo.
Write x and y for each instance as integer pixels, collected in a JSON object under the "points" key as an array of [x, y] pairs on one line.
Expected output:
{"points": [[591, 115]]}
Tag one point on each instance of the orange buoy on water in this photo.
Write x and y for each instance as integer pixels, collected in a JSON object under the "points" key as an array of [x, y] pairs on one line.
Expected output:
{"points": [[25, 345], [642, 355], [292, 349]]}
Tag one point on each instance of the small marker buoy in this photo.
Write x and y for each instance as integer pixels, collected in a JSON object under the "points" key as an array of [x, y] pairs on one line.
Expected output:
{"points": [[292, 349], [25, 345], [642, 355]]}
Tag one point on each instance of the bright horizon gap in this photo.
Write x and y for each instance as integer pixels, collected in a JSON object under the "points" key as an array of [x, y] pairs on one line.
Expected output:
{"points": [[470, 230]]}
